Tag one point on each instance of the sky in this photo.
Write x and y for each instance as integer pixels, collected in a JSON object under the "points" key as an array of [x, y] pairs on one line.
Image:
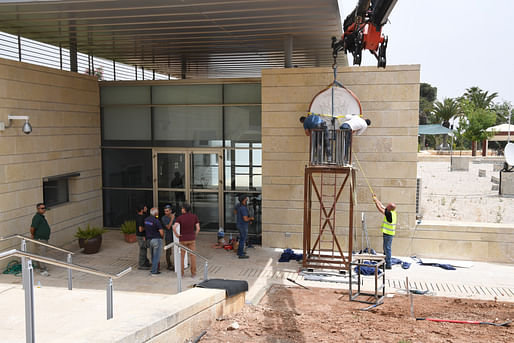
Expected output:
{"points": [[458, 43]]}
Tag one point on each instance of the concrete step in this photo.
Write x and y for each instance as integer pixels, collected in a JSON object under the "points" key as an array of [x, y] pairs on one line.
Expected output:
{"points": [[80, 315]]}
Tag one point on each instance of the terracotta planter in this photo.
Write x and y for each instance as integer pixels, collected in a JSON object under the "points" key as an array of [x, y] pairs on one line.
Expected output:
{"points": [[130, 237], [92, 245]]}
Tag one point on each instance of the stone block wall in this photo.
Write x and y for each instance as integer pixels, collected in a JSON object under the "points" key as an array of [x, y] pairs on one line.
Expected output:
{"points": [[387, 150], [64, 113]]}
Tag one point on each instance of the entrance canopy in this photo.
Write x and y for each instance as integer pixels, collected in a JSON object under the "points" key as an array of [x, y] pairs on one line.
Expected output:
{"points": [[434, 129], [501, 132], [205, 38]]}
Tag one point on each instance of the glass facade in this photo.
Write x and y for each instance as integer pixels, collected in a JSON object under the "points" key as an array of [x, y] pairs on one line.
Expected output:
{"points": [[170, 143]]}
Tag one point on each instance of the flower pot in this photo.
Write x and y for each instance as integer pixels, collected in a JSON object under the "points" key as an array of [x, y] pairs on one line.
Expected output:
{"points": [[130, 237], [92, 245]]}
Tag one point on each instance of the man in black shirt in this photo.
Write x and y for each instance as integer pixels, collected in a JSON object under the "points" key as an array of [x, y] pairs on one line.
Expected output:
{"points": [[143, 262]]}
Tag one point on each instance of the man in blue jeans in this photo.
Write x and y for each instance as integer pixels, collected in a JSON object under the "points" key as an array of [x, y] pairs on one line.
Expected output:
{"points": [[154, 234], [243, 218], [388, 227]]}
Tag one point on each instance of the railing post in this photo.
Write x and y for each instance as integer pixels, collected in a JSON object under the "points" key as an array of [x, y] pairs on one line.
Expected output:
{"points": [[109, 299], [70, 282], [24, 264], [205, 270], [179, 268], [29, 304]]}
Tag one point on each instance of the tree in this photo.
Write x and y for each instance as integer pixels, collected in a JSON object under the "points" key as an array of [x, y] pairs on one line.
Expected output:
{"points": [[444, 111], [478, 120], [502, 112], [427, 96], [480, 98]]}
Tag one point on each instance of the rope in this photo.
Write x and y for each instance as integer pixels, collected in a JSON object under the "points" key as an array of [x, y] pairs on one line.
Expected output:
{"points": [[13, 267], [362, 170]]}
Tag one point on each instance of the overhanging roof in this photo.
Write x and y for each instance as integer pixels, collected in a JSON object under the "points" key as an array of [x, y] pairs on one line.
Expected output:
{"points": [[434, 129], [215, 37]]}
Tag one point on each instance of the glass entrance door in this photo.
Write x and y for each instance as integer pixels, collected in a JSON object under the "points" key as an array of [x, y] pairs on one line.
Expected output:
{"points": [[194, 176]]}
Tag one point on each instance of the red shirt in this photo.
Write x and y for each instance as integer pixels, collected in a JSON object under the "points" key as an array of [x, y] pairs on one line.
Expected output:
{"points": [[187, 223]]}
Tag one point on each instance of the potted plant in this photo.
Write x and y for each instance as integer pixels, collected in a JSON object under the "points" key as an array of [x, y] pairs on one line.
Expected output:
{"points": [[90, 238], [129, 229]]}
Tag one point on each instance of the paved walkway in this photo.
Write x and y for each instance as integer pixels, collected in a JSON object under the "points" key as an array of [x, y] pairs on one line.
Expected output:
{"points": [[481, 281], [59, 311]]}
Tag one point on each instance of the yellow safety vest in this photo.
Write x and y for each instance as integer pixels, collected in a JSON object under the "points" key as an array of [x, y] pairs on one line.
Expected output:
{"points": [[389, 228]]}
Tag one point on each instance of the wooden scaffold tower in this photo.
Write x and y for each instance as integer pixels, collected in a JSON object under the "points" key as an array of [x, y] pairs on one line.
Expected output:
{"points": [[326, 185]]}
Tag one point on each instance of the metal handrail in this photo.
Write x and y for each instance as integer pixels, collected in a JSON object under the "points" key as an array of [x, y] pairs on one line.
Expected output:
{"points": [[177, 246], [88, 270], [35, 241], [28, 284], [186, 249]]}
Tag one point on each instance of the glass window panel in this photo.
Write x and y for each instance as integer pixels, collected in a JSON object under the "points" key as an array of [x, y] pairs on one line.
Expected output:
{"points": [[249, 93], [257, 157], [126, 123], [254, 209], [121, 205], [125, 95], [242, 181], [171, 170], [131, 168], [205, 206], [242, 157], [175, 199], [187, 94], [242, 170], [188, 126], [242, 125], [55, 192], [238, 177], [205, 171], [257, 181]]}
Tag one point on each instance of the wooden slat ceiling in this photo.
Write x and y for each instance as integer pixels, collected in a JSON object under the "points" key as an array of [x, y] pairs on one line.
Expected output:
{"points": [[215, 37]]}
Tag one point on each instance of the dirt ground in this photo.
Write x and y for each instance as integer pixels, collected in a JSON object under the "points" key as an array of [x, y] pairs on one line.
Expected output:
{"points": [[462, 195], [292, 314]]}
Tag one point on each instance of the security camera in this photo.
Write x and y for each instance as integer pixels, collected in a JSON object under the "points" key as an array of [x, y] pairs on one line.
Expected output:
{"points": [[26, 128]]}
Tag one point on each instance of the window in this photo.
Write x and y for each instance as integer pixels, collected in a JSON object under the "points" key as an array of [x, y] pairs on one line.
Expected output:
{"points": [[55, 192]]}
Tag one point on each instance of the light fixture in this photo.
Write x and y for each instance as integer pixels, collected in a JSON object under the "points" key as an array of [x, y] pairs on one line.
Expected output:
{"points": [[26, 128]]}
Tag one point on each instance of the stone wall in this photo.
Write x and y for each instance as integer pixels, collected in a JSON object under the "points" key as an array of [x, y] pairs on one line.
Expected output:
{"points": [[387, 150], [65, 117]]}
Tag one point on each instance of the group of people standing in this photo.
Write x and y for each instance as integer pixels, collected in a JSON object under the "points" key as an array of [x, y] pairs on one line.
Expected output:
{"points": [[151, 232]]}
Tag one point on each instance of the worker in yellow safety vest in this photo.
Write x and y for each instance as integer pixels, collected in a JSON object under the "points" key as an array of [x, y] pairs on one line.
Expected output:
{"points": [[388, 227]]}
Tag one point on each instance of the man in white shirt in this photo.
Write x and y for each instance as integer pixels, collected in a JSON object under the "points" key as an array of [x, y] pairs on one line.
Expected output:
{"points": [[357, 125]]}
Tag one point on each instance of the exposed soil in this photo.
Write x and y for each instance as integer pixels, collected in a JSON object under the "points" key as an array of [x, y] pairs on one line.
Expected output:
{"points": [[292, 314], [462, 195]]}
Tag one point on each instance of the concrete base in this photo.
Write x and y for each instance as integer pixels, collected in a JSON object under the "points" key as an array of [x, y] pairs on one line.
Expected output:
{"points": [[459, 163], [507, 183]]}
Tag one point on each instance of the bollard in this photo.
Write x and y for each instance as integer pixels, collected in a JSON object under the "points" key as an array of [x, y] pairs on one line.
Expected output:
{"points": [[29, 304], [70, 286], [109, 299]]}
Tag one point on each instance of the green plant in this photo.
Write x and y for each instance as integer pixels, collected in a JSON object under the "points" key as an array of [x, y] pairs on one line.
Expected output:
{"points": [[128, 227], [89, 232]]}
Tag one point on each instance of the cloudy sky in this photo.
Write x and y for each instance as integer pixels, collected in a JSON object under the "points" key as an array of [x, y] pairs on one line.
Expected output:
{"points": [[458, 43]]}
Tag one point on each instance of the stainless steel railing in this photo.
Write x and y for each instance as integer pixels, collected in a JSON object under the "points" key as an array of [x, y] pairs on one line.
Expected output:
{"points": [[23, 247], [330, 147], [29, 284], [177, 247]]}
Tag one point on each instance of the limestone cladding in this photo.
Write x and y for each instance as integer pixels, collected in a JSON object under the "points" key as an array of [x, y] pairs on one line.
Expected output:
{"points": [[64, 113], [387, 150]]}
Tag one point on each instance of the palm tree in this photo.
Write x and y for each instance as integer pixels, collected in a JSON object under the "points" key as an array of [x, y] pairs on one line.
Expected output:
{"points": [[480, 98], [444, 111]]}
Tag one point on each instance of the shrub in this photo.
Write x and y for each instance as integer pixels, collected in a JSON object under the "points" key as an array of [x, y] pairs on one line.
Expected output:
{"points": [[89, 232], [128, 227]]}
